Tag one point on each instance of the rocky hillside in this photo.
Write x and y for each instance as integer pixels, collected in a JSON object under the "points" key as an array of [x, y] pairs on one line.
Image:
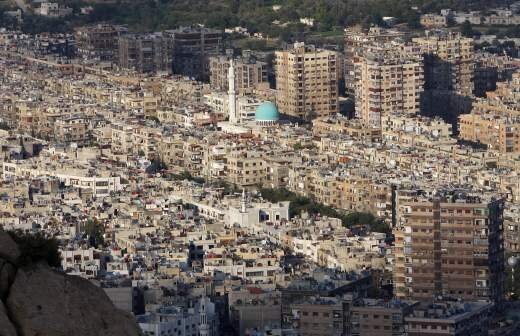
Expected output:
{"points": [[39, 301]]}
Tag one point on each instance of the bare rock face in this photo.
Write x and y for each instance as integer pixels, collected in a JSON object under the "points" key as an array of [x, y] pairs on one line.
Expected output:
{"points": [[43, 302], [7, 274], [8, 248], [6, 327]]}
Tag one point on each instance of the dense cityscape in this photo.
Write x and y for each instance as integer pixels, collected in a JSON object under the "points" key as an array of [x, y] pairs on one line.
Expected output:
{"points": [[201, 180]]}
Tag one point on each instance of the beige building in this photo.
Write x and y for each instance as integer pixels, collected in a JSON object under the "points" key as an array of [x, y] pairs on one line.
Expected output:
{"points": [[249, 73], [319, 317], [434, 20], [370, 317], [387, 84], [307, 81], [72, 130], [246, 168], [497, 132], [495, 120], [449, 61], [448, 243], [356, 43]]}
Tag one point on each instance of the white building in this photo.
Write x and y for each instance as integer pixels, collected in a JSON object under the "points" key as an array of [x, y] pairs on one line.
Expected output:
{"points": [[200, 320]]}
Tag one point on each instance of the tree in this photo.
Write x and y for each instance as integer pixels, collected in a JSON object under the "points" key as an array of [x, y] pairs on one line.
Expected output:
{"points": [[156, 166], [467, 29], [35, 248], [95, 232]]}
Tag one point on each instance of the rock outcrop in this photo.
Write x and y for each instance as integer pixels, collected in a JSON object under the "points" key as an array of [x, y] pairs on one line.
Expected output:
{"points": [[39, 301], [6, 327]]}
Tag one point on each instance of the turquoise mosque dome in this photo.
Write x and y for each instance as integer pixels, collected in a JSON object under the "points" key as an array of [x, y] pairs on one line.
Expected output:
{"points": [[267, 112]]}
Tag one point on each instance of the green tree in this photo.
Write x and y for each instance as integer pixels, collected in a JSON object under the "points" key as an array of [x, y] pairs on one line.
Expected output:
{"points": [[35, 248], [467, 29], [95, 231]]}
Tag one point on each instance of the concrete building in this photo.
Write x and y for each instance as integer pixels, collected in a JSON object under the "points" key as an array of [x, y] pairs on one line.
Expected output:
{"points": [[53, 9], [498, 132], [146, 52], [254, 309], [249, 73], [448, 242], [192, 48], [450, 319], [449, 71], [387, 84], [98, 42], [370, 317], [434, 20], [200, 320], [320, 317], [448, 61], [512, 228], [356, 43], [307, 81]]}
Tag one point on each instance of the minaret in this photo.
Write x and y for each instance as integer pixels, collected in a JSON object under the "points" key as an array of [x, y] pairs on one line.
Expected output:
{"points": [[232, 95], [243, 202], [203, 316]]}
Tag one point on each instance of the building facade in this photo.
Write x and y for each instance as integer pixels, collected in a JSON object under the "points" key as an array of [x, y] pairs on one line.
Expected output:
{"points": [[448, 243], [249, 73], [146, 53], [192, 48], [307, 81], [387, 84]]}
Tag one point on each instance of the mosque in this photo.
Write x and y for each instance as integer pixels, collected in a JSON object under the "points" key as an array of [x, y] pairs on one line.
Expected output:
{"points": [[266, 113]]}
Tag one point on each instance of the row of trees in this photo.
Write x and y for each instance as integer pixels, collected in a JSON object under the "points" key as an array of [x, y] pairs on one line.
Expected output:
{"points": [[256, 15], [300, 204]]}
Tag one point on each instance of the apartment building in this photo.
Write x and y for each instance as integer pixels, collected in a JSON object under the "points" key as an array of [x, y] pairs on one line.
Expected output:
{"points": [[254, 309], [121, 137], [356, 43], [339, 124], [171, 151], [53, 10], [319, 317], [83, 262], [192, 48], [498, 132], [374, 317], [387, 84], [146, 52], [307, 81], [434, 20], [448, 61], [246, 168], [249, 73], [495, 120], [448, 242], [73, 129], [450, 318], [512, 228], [98, 42], [449, 71]]}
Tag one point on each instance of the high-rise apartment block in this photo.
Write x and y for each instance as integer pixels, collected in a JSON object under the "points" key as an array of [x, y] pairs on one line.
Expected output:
{"points": [[358, 42], [448, 242], [307, 81], [448, 61], [495, 120], [387, 83], [146, 53], [249, 73], [192, 48], [449, 71], [99, 42]]}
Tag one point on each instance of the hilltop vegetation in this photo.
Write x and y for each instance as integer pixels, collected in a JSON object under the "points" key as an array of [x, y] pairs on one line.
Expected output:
{"points": [[256, 15]]}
